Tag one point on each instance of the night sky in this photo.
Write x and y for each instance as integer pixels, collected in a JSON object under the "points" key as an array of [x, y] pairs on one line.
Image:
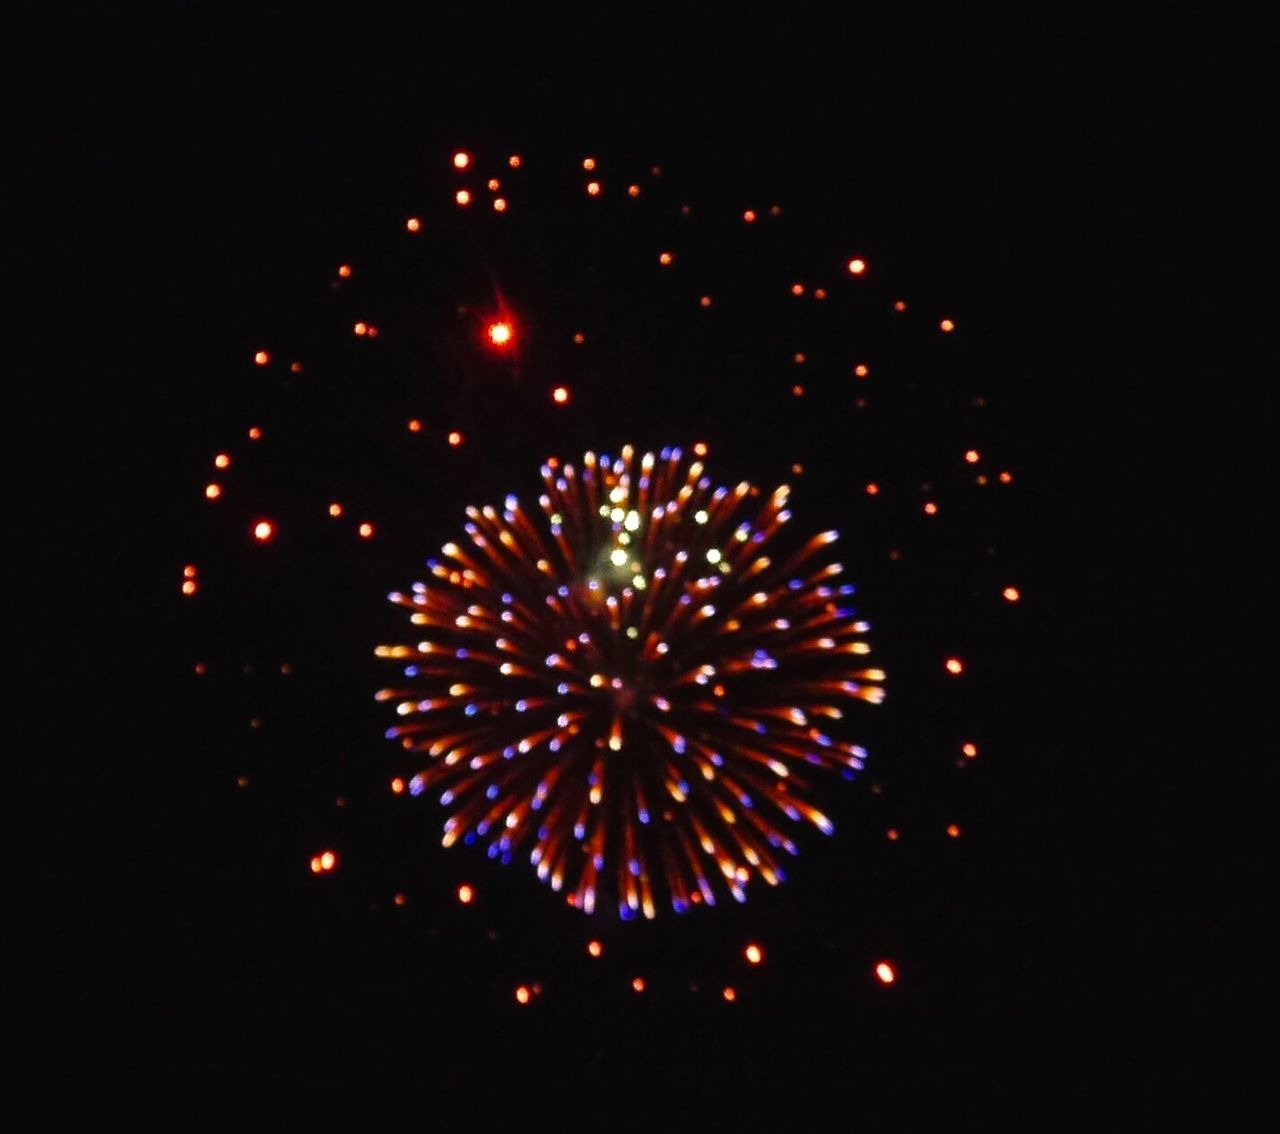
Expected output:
{"points": [[1005, 175]]}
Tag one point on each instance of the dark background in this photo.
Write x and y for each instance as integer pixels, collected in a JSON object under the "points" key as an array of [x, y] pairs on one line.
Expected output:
{"points": [[1081, 184]]}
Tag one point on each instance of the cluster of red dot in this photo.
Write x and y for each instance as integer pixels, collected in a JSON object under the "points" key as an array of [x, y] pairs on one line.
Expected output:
{"points": [[753, 953]]}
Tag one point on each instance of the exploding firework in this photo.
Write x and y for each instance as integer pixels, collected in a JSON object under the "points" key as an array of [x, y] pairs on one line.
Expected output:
{"points": [[630, 680], [641, 681]]}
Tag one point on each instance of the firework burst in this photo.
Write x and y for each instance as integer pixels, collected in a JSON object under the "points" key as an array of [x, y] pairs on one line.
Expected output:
{"points": [[629, 682]]}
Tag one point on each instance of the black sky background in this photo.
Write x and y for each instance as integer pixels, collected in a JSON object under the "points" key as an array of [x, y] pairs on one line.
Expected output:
{"points": [[1081, 184]]}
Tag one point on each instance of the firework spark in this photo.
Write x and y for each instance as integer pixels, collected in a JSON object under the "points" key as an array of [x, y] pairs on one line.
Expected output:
{"points": [[631, 681]]}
